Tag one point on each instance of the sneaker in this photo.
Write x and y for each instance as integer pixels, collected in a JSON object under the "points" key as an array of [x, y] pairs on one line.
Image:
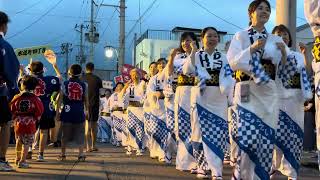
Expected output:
{"points": [[51, 144], [5, 166], [201, 174], [29, 155], [23, 165], [40, 158]]}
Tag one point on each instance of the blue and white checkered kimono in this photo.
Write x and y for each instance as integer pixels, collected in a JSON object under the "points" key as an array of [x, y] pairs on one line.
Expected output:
{"points": [[156, 127], [294, 89], [119, 130], [135, 117], [104, 133], [210, 135], [182, 126], [258, 118]]}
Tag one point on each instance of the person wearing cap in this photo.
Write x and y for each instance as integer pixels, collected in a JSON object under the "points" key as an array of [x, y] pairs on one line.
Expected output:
{"points": [[74, 97]]}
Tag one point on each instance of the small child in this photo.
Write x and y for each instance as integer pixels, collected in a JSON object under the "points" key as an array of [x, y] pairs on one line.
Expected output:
{"points": [[74, 98], [47, 85], [26, 109]]}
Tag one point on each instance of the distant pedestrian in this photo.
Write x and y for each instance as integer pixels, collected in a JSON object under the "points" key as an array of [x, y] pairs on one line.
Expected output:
{"points": [[94, 85]]}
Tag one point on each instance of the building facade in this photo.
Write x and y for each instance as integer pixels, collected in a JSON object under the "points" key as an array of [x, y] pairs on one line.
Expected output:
{"points": [[155, 44]]}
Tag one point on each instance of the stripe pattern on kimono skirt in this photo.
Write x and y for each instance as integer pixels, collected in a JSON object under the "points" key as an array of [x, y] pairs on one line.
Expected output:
{"points": [[214, 130], [289, 139], [184, 128], [257, 140], [119, 123], [136, 129], [159, 131]]}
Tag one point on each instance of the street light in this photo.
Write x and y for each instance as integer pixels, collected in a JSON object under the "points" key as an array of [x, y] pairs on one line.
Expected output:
{"points": [[111, 52]]}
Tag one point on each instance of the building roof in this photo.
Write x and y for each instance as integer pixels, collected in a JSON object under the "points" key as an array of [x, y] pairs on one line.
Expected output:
{"points": [[183, 29], [303, 27]]}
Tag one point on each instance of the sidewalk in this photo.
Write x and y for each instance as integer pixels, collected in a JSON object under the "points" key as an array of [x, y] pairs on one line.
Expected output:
{"points": [[111, 163]]}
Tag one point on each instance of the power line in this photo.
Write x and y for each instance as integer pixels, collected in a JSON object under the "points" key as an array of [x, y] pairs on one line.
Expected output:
{"points": [[149, 14], [200, 5], [98, 9], [37, 20], [29, 7], [67, 32], [81, 10], [303, 19], [68, 16], [55, 39], [108, 25], [150, 6]]}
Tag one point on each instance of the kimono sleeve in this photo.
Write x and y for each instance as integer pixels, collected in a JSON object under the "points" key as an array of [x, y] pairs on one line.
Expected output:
{"points": [[124, 98], [238, 56], [151, 87], [226, 81]]}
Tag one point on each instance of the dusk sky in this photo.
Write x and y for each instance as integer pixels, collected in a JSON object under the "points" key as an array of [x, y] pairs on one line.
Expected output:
{"points": [[31, 27]]}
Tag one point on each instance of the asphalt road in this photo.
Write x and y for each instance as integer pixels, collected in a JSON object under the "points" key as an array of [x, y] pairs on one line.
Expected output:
{"points": [[111, 163]]}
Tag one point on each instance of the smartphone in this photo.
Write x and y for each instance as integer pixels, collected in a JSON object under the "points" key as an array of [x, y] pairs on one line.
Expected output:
{"points": [[244, 92]]}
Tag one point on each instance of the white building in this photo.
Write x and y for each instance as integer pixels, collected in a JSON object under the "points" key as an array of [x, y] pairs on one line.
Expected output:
{"points": [[155, 44], [304, 35]]}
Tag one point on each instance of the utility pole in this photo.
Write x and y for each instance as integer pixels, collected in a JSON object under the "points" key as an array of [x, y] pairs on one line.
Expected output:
{"points": [[81, 57], [92, 36], [286, 14], [91, 32], [65, 49], [122, 41], [122, 32]]}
